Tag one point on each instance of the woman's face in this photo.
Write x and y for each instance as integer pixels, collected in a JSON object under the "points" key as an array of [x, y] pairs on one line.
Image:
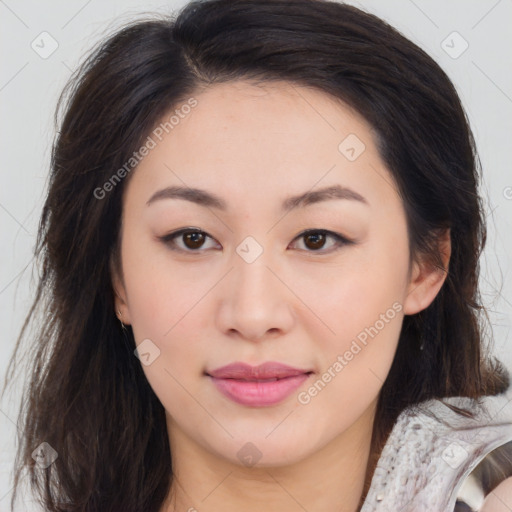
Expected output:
{"points": [[246, 285]]}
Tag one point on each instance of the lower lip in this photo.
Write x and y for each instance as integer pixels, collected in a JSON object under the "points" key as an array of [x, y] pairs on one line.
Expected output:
{"points": [[259, 394]]}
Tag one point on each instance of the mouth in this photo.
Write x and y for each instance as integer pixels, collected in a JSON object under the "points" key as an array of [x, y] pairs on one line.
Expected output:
{"points": [[258, 386]]}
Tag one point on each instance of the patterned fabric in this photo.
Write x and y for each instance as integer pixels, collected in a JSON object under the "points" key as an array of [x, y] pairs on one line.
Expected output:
{"points": [[432, 449]]}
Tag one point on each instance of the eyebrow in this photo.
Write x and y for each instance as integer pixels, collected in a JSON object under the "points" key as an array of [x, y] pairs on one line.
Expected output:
{"points": [[209, 200]]}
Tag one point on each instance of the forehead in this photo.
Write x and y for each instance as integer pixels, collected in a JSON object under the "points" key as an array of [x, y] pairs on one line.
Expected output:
{"points": [[261, 139], [273, 113]]}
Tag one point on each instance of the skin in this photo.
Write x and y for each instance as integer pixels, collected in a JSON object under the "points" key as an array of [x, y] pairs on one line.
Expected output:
{"points": [[254, 146], [500, 499]]}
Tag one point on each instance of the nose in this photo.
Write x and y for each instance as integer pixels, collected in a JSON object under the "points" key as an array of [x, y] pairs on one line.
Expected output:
{"points": [[255, 304]]}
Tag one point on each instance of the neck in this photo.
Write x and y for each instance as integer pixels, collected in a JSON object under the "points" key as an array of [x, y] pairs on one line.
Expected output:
{"points": [[334, 478]]}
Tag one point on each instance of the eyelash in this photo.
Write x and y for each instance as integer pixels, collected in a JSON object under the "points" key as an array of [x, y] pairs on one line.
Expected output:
{"points": [[169, 240]]}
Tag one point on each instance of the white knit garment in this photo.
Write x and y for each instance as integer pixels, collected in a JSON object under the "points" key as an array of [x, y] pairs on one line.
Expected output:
{"points": [[432, 449]]}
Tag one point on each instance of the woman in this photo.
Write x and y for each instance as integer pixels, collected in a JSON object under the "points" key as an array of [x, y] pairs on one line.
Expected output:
{"points": [[259, 283]]}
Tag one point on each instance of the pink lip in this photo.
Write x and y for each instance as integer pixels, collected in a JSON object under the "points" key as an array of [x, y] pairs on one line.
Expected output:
{"points": [[258, 386]]}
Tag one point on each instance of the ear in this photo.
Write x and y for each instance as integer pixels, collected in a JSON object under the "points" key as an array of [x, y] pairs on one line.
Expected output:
{"points": [[427, 279], [120, 302]]}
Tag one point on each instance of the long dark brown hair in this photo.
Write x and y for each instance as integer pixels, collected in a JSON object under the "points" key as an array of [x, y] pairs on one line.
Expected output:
{"points": [[87, 396]]}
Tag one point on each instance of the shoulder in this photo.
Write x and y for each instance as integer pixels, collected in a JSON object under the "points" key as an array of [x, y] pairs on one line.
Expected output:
{"points": [[432, 448], [489, 481], [500, 499]]}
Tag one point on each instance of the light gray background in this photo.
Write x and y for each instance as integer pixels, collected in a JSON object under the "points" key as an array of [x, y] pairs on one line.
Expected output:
{"points": [[30, 85]]}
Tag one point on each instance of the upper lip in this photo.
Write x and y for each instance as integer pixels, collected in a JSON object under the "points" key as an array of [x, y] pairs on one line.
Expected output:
{"points": [[243, 371]]}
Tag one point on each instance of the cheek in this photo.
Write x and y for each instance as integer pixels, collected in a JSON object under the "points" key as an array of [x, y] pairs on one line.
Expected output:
{"points": [[367, 283], [166, 308], [167, 304], [365, 312], [161, 292], [362, 304]]}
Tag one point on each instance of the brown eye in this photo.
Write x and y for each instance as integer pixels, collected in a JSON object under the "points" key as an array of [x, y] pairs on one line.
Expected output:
{"points": [[188, 240], [193, 239], [315, 240], [196, 241]]}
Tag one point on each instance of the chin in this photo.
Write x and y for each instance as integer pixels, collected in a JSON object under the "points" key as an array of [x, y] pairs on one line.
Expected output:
{"points": [[253, 449]]}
